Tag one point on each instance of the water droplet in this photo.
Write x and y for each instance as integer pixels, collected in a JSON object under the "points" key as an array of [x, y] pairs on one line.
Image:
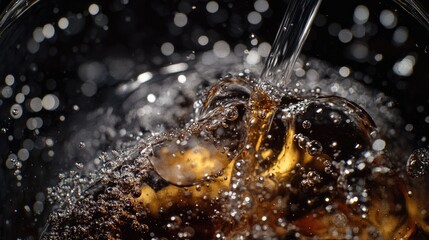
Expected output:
{"points": [[313, 148], [79, 165], [418, 163], [306, 124]]}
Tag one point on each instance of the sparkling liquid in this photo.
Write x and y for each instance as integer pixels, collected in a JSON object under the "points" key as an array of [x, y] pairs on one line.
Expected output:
{"points": [[249, 166], [256, 162]]}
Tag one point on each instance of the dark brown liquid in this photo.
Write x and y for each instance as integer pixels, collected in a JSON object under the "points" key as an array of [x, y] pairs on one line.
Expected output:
{"points": [[251, 167]]}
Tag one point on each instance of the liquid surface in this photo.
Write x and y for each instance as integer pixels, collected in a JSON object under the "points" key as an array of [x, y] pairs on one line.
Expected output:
{"points": [[248, 166]]}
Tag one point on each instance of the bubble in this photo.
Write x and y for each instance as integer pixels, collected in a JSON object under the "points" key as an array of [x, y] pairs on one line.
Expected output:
{"points": [[16, 111], [82, 144], [314, 148], [306, 124], [79, 165], [418, 163], [3, 130]]}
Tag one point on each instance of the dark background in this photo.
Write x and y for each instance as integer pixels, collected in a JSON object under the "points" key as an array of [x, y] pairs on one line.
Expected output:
{"points": [[140, 39]]}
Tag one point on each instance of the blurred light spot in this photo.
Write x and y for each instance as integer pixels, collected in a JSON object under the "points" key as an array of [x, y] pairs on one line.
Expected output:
{"points": [[7, 92], [144, 77], [239, 49], [409, 127], [38, 35], [378, 57], [261, 6], [167, 48], [344, 71], [264, 49], [101, 20], [212, 7], [20, 98], [358, 31], [254, 41], [254, 17], [151, 98], [49, 142], [359, 51], [23, 154], [38, 207], [89, 89], [48, 31], [203, 40], [181, 78], [180, 19], [361, 14], [50, 102], [92, 71], [174, 68], [32, 46], [253, 57], [345, 36], [378, 145], [34, 123], [16, 111], [25, 90], [388, 19], [9, 80], [36, 104], [63, 23], [299, 72], [400, 35], [28, 144], [93, 9], [221, 49], [312, 75], [405, 66]]}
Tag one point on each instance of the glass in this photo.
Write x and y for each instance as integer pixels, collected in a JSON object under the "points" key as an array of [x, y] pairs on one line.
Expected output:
{"points": [[79, 79]]}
